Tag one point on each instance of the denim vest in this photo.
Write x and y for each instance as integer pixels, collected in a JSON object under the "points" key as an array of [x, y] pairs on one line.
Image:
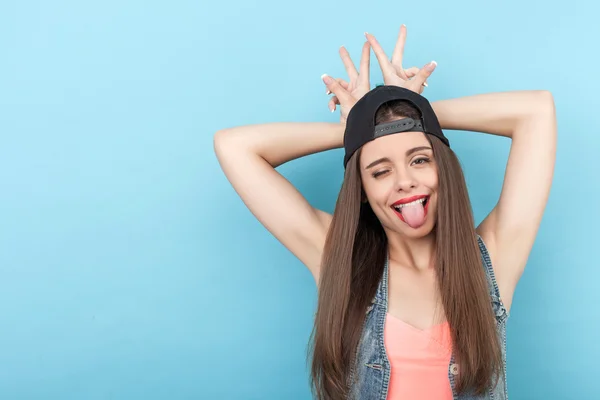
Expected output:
{"points": [[370, 375]]}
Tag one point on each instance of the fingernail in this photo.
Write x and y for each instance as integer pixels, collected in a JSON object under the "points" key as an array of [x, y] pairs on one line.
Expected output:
{"points": [[425, 84], [431, 66], [328, 91], [366, 33], [326, 78], [332, 109]]}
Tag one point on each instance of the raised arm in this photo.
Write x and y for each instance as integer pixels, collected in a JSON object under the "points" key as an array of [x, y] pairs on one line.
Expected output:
{"points": [[249, 155], [529, 119]]}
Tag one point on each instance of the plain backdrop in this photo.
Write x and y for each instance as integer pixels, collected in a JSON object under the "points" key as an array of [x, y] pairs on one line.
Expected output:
{"points": [[130, 269]]}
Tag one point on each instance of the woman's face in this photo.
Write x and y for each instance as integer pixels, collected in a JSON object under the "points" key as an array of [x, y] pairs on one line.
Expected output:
{"points": [[400, 179]]}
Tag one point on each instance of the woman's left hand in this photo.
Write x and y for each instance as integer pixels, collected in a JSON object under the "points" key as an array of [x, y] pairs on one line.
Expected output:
{"points": [[392, 70]]}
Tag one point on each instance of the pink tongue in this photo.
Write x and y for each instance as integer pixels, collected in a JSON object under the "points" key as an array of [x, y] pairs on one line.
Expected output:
{"points": [[414, 215]]}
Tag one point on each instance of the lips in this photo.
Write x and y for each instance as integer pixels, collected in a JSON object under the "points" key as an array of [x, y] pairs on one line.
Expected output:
{"points": [[410, 199]]}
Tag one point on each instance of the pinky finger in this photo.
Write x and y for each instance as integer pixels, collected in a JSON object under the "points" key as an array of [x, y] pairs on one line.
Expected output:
{"points": [[332, 103]]}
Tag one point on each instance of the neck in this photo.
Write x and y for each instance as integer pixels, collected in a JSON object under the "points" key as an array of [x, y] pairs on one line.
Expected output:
{"points": [[412, 253]]}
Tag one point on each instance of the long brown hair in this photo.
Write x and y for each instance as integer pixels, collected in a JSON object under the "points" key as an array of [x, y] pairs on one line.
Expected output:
{"points": [[352, 266]]}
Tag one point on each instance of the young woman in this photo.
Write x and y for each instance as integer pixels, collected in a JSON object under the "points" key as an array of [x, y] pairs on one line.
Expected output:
{"points": [[413, 298]]}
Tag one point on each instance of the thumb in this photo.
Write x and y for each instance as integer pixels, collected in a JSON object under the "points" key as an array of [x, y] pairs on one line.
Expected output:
{"points": [[423, 74], [343, 83], [336, 88]]}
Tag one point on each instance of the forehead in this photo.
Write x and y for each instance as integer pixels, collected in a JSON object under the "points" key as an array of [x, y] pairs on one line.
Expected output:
{"points": [[393, 146]]}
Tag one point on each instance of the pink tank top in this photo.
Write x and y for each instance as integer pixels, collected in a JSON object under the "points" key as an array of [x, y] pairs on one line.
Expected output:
{"points": [[419, 360]]}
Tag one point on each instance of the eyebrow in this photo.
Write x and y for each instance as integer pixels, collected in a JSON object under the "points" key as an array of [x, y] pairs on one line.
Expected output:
{"points": [[408, 153]]}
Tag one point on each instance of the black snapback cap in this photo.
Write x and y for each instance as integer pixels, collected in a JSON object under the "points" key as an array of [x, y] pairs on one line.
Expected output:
{"points": [[360, 124]]}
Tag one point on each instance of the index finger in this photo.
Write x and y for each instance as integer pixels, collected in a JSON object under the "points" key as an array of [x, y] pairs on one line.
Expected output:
{"points": [[365, 63], [384, 62], [399, 49], [350, 68]]}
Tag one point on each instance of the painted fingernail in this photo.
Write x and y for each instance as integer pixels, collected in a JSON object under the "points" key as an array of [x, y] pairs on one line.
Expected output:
{"points": [[366, 33], [431, 66], [328, 91], [425, 84], [326, 78]]}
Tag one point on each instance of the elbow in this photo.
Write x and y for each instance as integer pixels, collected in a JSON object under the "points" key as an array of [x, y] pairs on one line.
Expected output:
{"points": [[219, 137], [545, 102], [229, 144], [548, 110], [218, 141], [222, 140], [220, 144], [544, 111], [546, 116]]}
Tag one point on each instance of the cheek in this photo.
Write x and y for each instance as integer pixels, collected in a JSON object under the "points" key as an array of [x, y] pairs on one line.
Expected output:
{"points": [[429, 178], [434, 182], [377, 193]]}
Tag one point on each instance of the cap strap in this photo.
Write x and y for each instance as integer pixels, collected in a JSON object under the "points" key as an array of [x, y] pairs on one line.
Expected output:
{"points": [[402, 125]]}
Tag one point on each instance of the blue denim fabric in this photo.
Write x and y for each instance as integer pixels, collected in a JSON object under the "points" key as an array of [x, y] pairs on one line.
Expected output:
{"points": [[370, 375]]}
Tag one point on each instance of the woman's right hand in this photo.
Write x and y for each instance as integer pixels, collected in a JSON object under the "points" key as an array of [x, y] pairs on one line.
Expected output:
{"points": [[347, 94], [393, 73]]}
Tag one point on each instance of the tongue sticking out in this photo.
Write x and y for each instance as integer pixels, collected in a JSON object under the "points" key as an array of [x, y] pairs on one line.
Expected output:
{"points": [[414, 215]]}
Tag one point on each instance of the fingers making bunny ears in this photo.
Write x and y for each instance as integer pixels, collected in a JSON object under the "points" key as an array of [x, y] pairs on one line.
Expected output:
{"points": [[347, 93], [398, 55], [334, 101], [412, 78]]}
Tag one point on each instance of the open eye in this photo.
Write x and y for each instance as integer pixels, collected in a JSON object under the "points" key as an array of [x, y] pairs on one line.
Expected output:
{"points": [[421, 160]]}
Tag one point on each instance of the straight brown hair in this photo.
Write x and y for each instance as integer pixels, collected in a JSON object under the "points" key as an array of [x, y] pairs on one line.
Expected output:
{"points": [[352, 265]]}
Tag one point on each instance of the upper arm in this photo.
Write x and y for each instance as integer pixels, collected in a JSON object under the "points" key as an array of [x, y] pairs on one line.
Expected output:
{"points": [[275, 202], [510, 229]]}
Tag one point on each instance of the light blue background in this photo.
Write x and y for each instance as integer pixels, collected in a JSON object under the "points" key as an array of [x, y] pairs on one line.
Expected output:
{"points": [[129, 268]]}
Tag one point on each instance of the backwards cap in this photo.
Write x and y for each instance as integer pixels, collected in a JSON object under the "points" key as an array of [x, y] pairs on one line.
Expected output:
{"points": [[360, 124]]}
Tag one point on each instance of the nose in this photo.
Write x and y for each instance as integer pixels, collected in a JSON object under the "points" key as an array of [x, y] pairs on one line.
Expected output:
{"points": [[405, 181]]}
